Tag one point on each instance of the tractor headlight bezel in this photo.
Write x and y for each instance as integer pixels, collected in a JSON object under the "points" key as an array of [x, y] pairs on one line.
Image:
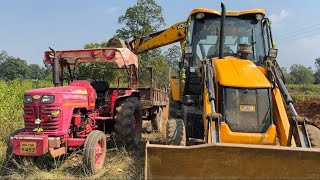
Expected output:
{"points": [[27, 99], [46, 99]]}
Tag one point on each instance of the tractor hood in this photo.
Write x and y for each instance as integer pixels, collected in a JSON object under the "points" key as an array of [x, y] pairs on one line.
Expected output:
{"points": [[58, 90], [234, 72]]}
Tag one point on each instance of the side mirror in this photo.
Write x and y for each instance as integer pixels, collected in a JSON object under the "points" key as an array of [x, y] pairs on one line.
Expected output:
{"points": [[273, 53]]}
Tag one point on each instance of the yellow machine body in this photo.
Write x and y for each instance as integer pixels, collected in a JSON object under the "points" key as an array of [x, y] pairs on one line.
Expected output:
{"points": [[238, 155], [175, 88]]}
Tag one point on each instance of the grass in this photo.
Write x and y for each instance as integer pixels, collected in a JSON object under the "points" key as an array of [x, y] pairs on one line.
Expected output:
{"points": [[119, 164], [303, 92], [308, 89]]}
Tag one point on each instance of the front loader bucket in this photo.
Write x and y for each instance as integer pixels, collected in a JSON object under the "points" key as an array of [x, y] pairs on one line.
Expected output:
{"points": [[231, 161]]}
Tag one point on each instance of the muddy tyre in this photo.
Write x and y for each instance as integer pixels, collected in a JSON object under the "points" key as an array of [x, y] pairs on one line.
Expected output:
{"points": [[128, 123], [314, 136], [176, 132], [156, 120], [94, 152], [18, 161]]}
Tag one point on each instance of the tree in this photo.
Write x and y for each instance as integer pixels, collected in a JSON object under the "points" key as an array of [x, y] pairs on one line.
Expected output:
{"points": [[95, 45], [98, 71], [301, 74], [317, 63], [12, 68], [317, 73], [172, 56], [156, 60], [37, 72], [317, 77], [141, 19], [3, 56], [289, 79]]}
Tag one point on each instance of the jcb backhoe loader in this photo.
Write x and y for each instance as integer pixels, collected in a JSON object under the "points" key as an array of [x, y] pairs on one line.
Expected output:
{"points": [[233, 122]]}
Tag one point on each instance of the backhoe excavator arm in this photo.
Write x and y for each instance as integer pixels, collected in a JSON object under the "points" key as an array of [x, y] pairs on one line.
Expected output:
{"points": [[175, 33], [297, 123]]}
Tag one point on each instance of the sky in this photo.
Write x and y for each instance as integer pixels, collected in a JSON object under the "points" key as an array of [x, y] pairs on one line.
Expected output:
{"points": [[30, 27]]}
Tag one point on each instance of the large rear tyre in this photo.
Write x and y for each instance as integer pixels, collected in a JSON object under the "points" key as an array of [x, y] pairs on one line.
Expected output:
{"points": [[128, 125], [94, 152], [314, 135], [18, 161], [176, 132]]}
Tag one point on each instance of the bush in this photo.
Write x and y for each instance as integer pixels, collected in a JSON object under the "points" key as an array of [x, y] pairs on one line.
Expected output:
{"points": [[304, 88], [11, 100]]}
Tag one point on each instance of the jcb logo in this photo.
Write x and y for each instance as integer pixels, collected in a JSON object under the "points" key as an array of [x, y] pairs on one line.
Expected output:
{"points": [[180, 26], [247, 108]]}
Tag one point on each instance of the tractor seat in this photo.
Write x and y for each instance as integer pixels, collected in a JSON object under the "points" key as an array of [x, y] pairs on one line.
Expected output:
{"points": [[101, 87]]}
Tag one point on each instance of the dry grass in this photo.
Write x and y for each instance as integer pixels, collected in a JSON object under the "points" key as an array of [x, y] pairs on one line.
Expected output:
{"points": [[119, 164]]}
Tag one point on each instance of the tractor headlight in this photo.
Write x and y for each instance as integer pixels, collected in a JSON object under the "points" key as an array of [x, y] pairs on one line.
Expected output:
{"points": [[47, 99], [27, 99]]}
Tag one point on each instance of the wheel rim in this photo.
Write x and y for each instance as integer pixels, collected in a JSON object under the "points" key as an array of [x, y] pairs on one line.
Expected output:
{"points": [[99, 153], [136, 126]]}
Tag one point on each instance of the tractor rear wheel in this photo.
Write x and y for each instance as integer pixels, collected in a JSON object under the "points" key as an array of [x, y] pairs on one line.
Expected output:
{"points": [[94, 152], [314, 135], [176, 132], [128, 124], [18, 161]]}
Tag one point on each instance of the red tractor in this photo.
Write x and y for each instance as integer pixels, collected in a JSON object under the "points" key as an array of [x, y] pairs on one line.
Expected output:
{"points": [[84, 115]]}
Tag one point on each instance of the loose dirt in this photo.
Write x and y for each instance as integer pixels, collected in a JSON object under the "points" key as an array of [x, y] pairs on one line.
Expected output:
{"points": [[310, 108]]}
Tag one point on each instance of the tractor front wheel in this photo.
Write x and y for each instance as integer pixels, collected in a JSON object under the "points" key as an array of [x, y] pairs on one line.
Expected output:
{"points": [[95, 148]]}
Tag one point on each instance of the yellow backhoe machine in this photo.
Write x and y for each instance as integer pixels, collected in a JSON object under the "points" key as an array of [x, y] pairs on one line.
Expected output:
{"points": [[232, 103]]}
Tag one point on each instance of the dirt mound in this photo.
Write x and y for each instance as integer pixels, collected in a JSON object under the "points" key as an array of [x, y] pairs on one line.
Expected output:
{"points": [[310, 108], [117, 43]]}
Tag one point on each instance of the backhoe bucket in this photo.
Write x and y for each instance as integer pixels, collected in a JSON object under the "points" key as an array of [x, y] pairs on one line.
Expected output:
{"points": [[231, 161]]}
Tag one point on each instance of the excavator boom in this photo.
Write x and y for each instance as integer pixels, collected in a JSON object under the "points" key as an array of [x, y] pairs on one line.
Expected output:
{"points": [[175, 33]]}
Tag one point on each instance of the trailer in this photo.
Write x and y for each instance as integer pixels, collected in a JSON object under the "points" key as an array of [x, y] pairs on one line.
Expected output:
{"points": [[153, 99]]}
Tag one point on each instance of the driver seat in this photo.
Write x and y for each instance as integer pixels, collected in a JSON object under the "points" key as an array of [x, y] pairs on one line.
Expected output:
{"points": [[101, 87], [211, 52]]}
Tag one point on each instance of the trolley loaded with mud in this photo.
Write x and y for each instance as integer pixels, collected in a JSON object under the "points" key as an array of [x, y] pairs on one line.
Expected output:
{"points": [[83, 114]]}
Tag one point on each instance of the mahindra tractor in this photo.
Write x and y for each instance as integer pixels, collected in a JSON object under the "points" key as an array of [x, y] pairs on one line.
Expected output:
{"points": [[83, 114]]}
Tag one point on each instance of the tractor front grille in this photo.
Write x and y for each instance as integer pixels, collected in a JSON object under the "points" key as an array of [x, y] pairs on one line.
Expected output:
{"points": [[41, 112]]}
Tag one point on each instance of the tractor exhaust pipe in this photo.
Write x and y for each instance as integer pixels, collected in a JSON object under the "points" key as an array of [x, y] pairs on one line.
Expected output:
{"points": [[222, 26], [55, 69]]}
